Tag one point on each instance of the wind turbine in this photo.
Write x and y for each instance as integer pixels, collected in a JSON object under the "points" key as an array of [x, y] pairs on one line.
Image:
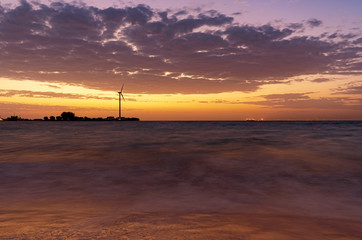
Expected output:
{"points": [[120, 94]]}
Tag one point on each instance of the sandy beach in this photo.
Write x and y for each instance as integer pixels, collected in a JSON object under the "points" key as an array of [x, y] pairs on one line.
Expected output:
{"points": [[56, 225]]}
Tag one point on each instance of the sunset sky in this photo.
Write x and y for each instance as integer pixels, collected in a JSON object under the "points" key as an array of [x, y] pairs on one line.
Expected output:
{"points": [[182, 60]]}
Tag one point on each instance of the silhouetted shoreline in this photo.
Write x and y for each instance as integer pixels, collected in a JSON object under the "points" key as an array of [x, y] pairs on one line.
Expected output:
{"points": [[70, 116]]}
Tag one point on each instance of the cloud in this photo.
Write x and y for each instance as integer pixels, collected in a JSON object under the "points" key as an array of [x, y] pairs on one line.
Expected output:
{"points": [[250, 35], [37, 94], [320, 80], [286, 97], [302, 101], [343, 36], [299, 101], [351, 88], [222, 102], [243, 2], [358, 41], [296, 26], [314, 22], [155, 51]]}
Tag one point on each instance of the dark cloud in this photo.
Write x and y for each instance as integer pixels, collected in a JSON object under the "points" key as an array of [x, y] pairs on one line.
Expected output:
{"points": [[160, 52], [296, 26], [320, 80], [358, 41], [348, 36], [342, 36], [333, 36], [138, 15], [314, 22], [250, 35], [189, 24]]}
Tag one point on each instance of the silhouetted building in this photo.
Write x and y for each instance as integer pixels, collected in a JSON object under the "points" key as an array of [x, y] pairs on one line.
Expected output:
{"points": [[13, 118]]}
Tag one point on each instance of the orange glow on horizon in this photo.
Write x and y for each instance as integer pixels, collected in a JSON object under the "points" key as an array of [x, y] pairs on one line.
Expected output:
{"points": [[222, 106]]}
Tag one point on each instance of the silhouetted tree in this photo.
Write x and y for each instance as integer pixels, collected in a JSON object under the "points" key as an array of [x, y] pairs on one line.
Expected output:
{"points": [[52, 118], [46, 119], [59, 118], [68, 116]]}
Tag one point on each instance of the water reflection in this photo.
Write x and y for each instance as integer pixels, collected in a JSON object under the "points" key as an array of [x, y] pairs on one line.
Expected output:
{"points": [[88, 177]]}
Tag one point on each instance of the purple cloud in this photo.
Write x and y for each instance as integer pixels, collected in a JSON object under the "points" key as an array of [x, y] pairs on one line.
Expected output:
{"points": [[358, 41], [314, 22], [159, 51]]}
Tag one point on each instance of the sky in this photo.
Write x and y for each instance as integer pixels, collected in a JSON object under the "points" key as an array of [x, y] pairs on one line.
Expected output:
{"points": [[182, 60]]}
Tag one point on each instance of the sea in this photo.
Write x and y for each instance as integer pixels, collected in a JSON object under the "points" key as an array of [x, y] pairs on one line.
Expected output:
{"points": [[181, 180]]}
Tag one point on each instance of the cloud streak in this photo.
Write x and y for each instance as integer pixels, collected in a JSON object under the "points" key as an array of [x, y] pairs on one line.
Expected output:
{"points": [[303, 101], [38, 94], [354, 88], [161, 51]]}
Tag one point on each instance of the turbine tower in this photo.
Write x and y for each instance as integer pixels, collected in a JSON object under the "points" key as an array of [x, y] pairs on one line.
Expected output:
{"points": [[120, 94]]}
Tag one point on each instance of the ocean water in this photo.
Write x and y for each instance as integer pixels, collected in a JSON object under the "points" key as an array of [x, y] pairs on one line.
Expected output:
{"points": [[181, 180]]}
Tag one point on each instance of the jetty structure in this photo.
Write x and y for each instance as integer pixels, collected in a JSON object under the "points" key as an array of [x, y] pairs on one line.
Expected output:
{"points": [[120, 96]]}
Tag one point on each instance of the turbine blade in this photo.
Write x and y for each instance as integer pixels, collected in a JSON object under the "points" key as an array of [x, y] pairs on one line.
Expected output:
{"points": [[123, 97], [122, 87]]}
